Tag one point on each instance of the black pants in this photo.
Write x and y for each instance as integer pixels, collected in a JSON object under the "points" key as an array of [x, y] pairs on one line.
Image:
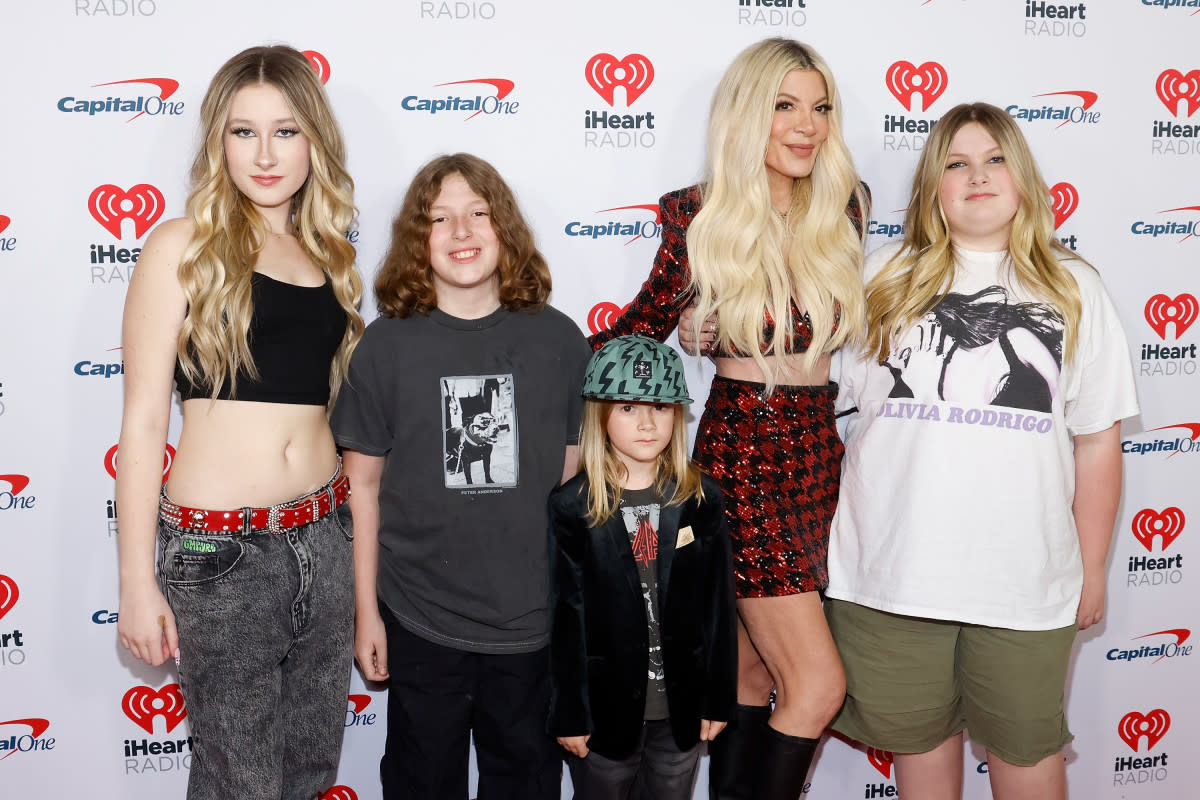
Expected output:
{"points": [[657, 770], [439, 696]]}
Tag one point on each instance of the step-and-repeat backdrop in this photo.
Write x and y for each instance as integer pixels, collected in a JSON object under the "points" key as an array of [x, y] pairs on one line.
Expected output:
{"points": [[591, 111]]}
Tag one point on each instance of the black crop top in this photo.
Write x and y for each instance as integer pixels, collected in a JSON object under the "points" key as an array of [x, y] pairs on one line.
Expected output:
{"points": [[294, 333]]}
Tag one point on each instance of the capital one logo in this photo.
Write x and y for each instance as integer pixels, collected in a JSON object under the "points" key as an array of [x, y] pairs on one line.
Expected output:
{"points": [[603, 315], [320, 64], [1151, 726], [338, 792], [142, 704], [1161, 310], [605, 73], [1173, 86], [1064, 199], [903, 80], [23, 742], [110, 205], [4, 223], [1166, 525], [110, 462], [8, 594], [880, 760]]}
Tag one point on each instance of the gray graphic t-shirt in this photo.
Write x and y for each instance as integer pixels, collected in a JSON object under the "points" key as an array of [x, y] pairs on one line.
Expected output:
{"points": [[639, 510]]}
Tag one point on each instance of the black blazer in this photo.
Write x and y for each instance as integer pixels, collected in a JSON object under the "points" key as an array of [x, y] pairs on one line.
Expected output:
{"points": [[599, 648]]}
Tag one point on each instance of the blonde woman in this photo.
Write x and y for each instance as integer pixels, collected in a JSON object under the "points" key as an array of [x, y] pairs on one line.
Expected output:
{"points": [[995, 363], [249, 304], [770, 245]]}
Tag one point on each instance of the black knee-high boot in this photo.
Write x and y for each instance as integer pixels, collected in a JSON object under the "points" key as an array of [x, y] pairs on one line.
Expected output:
{"points": [[784, 765], [734, 754]]}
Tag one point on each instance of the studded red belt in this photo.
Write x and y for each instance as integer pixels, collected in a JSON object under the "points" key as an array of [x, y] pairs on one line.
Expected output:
{"points": [[275, 519]]}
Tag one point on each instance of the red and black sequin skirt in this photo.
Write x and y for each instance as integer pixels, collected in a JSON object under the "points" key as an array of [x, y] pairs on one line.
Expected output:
{"points": [[778, 461]]}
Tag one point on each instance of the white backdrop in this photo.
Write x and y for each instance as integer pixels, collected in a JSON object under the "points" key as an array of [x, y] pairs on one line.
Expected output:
{"points": [[1108, 92]]}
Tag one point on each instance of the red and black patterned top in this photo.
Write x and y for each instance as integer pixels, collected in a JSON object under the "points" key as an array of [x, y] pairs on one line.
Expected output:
{"points": [[656, 309]]}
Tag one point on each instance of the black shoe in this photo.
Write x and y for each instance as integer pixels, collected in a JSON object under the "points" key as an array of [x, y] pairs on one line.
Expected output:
{"points": [[784, 765], [734, 754]]}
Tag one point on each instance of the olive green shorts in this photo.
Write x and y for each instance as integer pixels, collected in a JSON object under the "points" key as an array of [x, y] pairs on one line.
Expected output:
{"points": [[912, 683]]}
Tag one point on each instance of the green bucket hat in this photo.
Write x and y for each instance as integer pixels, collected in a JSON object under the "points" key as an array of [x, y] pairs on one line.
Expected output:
{"points": [[637, 369]]}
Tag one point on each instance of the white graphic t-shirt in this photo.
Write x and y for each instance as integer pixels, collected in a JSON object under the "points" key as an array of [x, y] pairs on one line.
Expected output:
{"points": [[959, 476]]}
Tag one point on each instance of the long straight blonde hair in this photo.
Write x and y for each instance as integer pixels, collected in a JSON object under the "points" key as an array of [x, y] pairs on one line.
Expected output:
{"points": [[229, 232], [921, 273], [606, 473], [743, 258]]}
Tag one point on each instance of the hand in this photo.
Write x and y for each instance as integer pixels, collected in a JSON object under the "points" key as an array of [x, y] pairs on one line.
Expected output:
{"points": [[370, 646], [145, 624], [709, 729], [1091, 600], [575, 745], [687, 333]]}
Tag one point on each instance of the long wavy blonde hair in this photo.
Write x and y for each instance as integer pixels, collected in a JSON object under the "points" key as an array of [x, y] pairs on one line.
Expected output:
{"points": [[921, 273], [743, 258], [606, 473], [229, 232]]}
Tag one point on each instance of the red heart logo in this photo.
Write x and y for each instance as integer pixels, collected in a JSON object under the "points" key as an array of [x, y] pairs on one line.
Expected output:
{"points": [[603, 315], [605, 73], [8, 594], [319, 63], [1173, 86], [930, 79], [1153, 725], [110, 205], [338, 793], [142, 704], [1161, 310], [1064, 199], [880, 760], [4, 222], [358, 702], [1149, 523], [110, 461]]}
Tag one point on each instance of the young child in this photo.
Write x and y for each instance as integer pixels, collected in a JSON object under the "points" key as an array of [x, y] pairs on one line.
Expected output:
{"points": [[460, 414], [998, 371], [643, 647]]}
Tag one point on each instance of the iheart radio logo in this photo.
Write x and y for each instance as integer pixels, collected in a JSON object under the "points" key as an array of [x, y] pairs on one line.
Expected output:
{"points": [[880, 760], [1064, 199], [319, 63], [1173, 86], [1162, 310], [110, 462], [1166, 524], [4, 223], [904, 79], [142, 704], [36, 727], [8, 594], [338, 793], [1153, 725], [605, 73], [603, 315], [16, 483], [110, 205]]}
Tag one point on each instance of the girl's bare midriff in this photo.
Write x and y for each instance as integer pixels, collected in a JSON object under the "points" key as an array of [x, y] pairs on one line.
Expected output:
{"points": [[789, 370], [234, 454]]}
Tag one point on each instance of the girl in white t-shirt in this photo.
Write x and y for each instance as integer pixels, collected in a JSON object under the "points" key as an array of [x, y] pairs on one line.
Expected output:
{"points": [[997, 371]]}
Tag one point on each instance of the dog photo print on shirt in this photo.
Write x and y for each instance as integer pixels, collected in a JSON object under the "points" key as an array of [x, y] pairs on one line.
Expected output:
{"points": [[479, 431]]}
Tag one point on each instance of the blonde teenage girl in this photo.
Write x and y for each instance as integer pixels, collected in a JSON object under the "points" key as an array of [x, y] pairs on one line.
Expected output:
{"points": [[997, 370]]}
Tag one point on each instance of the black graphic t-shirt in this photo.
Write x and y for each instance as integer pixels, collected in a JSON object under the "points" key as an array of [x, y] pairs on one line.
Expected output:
{"points": [[639, 510]]}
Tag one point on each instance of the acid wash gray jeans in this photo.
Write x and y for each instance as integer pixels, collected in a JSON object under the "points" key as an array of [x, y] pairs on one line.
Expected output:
{"points": [[266, 630]]}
